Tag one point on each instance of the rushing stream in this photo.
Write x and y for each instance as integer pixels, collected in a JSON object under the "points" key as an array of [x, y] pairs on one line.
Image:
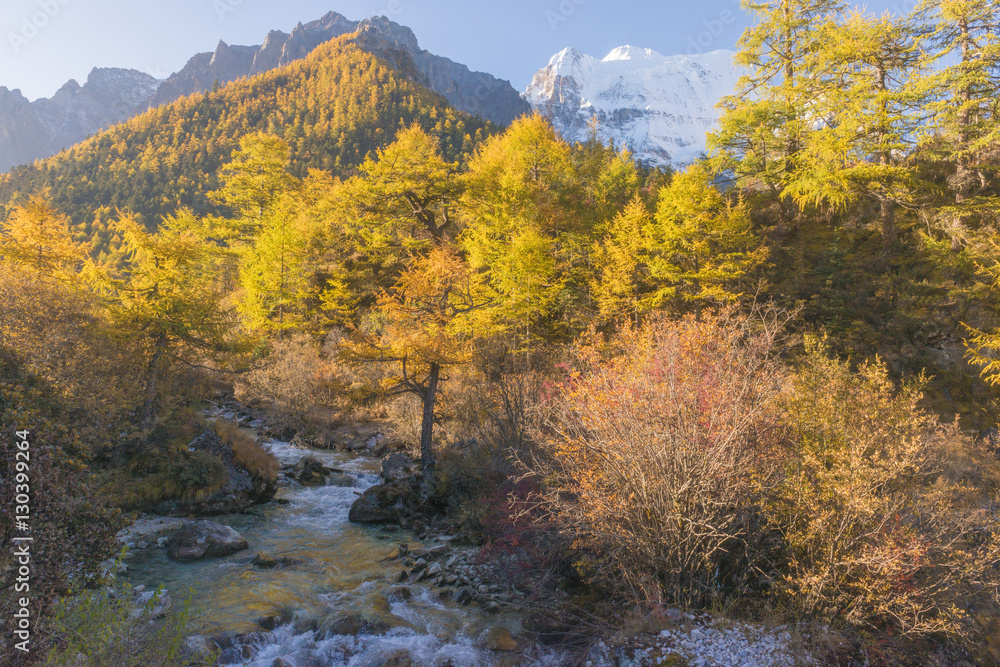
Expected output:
{"points": [[341, 573]]}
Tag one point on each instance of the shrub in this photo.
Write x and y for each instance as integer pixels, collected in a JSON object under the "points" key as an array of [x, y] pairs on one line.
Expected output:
{"points": [[405, 413], [889, 516], [72, 526], [289, 381], [655, 458], [98, 628]]}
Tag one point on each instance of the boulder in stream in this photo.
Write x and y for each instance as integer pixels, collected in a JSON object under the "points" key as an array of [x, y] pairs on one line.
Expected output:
{"points": [[204, 539], [240, 490], [309, 471], [265, 562], [499, 639], [386, 503], [397, 467]]}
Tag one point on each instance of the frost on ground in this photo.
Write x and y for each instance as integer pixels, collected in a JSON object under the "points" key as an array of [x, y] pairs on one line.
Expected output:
{"points": [[701, 645]]}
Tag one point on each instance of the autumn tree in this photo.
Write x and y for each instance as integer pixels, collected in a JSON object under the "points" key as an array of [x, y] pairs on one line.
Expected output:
{"points": [[521, 238], [962, 87], [254, 180], [868, 117], [701, 246], [272, 270], [422, 327], [166, 295], [408, 185], [765, 122], [37, 236], [622, 274]]}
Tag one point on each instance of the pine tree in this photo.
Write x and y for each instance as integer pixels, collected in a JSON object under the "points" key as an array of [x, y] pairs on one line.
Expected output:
{"points": [[255, 179], [522, 234], [272, 271]]}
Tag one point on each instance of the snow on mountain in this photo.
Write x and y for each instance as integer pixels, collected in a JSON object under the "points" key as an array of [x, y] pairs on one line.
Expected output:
{"points": [[660, 107]]}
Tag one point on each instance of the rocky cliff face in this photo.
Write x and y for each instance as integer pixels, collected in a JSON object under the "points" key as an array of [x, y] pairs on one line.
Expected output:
{"points": [[659, 107], [33, 130], [476, 93]]}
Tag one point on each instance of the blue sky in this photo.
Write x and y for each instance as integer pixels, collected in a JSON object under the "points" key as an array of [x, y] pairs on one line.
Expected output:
{"points": [[43, 43]]}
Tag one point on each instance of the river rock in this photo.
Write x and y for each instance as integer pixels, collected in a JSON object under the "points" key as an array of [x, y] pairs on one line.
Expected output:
{"points": [[309, 471], [350, 625], [269, 622], [400, 658], [281, 662], [396, 467], [340, 479], [156, 603], [499, 639], [265, 562], [386, 503], [239, 492], [204, 539]]}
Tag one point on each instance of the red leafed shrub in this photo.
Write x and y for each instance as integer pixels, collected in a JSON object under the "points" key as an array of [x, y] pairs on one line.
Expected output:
{"points": [[656, 453]]}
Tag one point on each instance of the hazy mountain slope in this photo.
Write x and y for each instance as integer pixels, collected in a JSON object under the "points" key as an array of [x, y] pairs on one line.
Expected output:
{"points": [[32, 130]]}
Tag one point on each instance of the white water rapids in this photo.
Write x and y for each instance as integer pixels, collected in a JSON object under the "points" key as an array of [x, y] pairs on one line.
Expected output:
{"points": [[341, 573]]}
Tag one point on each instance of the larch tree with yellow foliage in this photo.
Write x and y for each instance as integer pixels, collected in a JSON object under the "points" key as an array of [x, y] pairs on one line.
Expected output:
{"points": [[421, 327], [701, 246], [167, 296], [521, 232], [37, 236]]}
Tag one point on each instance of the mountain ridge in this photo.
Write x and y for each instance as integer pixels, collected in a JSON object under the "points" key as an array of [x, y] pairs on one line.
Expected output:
{"points": [[39, 129]]}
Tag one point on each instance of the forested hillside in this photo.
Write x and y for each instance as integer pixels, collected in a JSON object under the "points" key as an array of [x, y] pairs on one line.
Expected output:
{"points": [[332, 108]]}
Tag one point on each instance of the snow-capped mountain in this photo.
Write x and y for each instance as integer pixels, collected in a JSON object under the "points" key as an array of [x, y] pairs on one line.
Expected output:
{"points": [[660, 107]]}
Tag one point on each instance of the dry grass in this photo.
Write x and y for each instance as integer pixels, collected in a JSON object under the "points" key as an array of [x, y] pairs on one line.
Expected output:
{"points": [[247, 453]]}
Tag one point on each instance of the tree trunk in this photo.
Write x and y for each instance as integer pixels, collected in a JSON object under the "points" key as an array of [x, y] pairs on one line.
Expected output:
{"points": [[152, 375], [888, 225], [427, 429]]}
